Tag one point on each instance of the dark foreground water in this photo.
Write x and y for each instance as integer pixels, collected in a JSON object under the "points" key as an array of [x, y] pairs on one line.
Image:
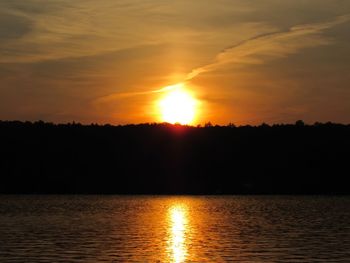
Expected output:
{"points": [[174, 229]]}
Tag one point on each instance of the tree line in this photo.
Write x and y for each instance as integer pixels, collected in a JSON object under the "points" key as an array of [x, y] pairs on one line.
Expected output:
{"points": [[47, 158]]}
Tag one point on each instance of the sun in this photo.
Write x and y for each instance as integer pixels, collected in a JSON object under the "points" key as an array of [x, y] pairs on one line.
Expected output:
{"points": [[178, 105]]}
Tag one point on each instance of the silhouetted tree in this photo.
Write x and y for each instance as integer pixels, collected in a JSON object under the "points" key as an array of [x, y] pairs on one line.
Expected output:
{"points": [[162, 158], [299, 123], [208, 124]]}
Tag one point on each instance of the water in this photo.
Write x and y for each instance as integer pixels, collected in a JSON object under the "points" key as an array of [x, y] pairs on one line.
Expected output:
{"points": [[174, 229]]}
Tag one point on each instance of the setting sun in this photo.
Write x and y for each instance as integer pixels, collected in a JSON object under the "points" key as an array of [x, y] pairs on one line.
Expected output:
{"points": [[178, 105]]}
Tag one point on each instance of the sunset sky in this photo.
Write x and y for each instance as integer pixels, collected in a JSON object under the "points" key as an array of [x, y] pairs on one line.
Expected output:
{"points": [[108, 61]]}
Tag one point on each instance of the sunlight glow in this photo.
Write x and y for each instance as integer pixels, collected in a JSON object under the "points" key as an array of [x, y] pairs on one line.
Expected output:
{"points": [[178, 221], [178, 105]]}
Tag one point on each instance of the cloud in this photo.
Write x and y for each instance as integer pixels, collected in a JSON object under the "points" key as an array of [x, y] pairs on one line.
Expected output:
{"points": [[279, 44], [256, 50], [62, 29], [16, 26]]}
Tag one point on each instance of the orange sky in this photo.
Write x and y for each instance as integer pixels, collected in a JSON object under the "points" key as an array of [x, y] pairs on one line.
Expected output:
{"points": [[244, 61]]}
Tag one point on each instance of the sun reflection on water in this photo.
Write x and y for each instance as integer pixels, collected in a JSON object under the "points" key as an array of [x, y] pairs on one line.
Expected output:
{"points": [[177, 240]]}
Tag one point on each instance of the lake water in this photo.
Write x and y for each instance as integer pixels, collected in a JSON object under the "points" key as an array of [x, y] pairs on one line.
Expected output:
{"points": [[174, 229]]}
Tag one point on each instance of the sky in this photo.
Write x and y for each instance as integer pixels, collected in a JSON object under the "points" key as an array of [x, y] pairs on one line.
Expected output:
{"points": [[107, 61]]}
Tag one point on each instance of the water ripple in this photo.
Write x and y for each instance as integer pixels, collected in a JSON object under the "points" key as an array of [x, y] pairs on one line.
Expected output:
{"points": [[174, 229]]}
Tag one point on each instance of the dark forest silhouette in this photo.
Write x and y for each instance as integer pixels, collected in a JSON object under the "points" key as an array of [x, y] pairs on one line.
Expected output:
{"points": [[173, 159]]}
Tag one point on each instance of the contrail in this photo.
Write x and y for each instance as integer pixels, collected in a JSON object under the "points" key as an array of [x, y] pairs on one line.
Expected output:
{"points": [[260, 44], [275, 44]]}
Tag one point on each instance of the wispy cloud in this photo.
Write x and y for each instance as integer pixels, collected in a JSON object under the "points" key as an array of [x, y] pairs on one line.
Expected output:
{"points": [[122, 95], [278, 44], [257, 50]]}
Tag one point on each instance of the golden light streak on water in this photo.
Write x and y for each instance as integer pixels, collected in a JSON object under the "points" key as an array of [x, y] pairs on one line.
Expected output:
{"points": [[178, 225]]}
